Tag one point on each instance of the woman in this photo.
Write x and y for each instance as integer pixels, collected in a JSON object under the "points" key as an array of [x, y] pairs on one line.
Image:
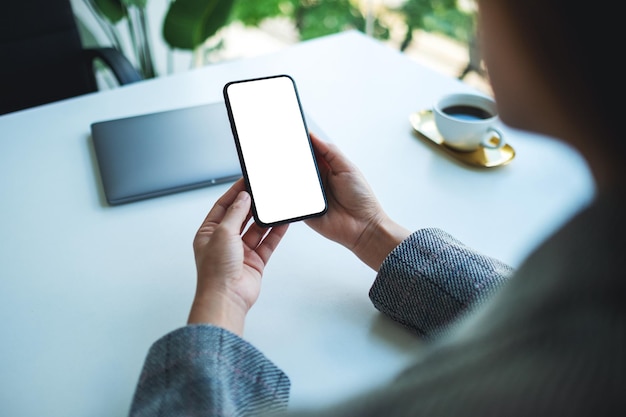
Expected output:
{"points": [[548, 339]]}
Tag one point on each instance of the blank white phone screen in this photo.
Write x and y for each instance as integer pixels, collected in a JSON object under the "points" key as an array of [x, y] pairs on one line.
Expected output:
{"points": [[278, 160]]}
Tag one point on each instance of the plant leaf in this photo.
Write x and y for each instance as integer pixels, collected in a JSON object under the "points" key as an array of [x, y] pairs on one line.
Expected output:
{"points": [[315, 19], [252, 13], [113, 10], [188, 23]]}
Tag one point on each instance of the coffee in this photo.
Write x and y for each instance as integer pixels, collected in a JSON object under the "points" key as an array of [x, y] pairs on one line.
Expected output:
{"points": [[465, 112], [468, 121]]}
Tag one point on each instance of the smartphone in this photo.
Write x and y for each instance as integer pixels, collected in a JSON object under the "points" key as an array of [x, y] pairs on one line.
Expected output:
{"points": [[274, 148]]}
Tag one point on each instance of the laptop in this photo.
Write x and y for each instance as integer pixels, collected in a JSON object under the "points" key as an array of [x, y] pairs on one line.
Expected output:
{"points": [[156, 154], [161, 153]]}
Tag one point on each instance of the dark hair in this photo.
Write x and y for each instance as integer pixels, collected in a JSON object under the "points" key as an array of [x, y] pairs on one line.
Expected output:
{"points": [[576, 45]]}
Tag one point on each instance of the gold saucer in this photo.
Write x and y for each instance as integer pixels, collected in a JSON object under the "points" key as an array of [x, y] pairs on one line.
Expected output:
{"points": [[424, 125]]}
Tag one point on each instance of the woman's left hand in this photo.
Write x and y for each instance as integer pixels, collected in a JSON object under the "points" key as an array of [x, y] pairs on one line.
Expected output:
{"points": [[230, 260]]}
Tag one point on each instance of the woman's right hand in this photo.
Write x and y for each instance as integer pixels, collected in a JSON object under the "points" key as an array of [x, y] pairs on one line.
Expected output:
{"points": [[355, 218]]}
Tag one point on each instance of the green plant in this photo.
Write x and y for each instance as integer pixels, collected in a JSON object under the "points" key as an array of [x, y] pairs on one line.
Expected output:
{"points": [[441, 16], [187, 25], [311, 18]]}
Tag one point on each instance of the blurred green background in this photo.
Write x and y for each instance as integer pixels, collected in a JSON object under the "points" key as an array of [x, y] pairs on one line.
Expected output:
{"points": [[200, 27]]}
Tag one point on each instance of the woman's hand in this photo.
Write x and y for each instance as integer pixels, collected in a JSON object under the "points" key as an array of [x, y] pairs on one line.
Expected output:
{"points": [[230, 260], [354, 218]]}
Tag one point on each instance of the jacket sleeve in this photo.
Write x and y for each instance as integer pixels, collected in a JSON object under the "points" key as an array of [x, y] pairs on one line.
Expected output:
{"points": [[431, 278], [206, 370]]}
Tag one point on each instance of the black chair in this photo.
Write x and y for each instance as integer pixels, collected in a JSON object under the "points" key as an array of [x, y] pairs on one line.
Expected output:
{"points": [[42, 58]]}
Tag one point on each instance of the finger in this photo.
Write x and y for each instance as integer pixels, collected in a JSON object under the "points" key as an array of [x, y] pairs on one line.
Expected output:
{"points": [[270, 242], [330, 155], [319, 145], [245, 223], [217, 213], [237, 213], [254, 235]]}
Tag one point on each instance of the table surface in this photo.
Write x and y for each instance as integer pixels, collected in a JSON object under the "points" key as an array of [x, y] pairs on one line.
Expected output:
{"points": [[85, 288]]}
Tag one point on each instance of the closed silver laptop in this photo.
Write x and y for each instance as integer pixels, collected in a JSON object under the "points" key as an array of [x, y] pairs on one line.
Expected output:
{"points": [[161, 153]]}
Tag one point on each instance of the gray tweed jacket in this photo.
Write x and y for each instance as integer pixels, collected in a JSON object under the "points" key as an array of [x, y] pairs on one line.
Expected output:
{"points": [[551, 340]]}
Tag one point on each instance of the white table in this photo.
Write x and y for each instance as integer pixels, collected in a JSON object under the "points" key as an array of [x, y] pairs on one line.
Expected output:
{"points": [[85, 288]]}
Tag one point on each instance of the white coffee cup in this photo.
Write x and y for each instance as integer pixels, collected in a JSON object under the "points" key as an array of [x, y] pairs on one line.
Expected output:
{"points": [[467, 121]]}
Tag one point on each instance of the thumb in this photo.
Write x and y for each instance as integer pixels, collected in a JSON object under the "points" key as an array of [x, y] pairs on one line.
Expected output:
{"points": [[331, 155], [238, 211]]}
